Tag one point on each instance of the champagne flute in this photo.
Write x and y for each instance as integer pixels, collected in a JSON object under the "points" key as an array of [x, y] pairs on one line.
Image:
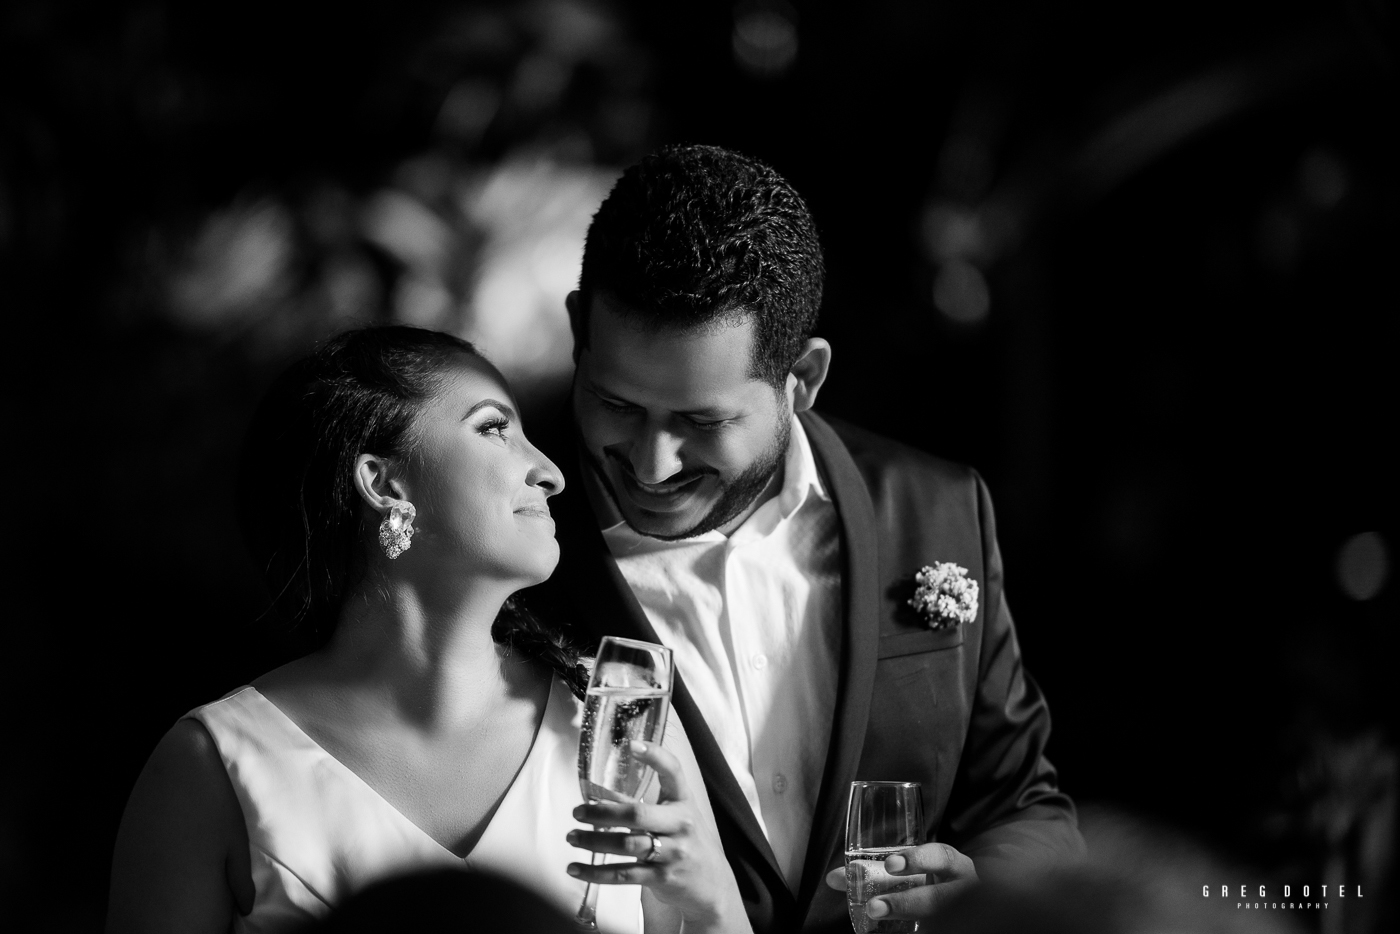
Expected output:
{"points": [[881, 818], [629, 695]]}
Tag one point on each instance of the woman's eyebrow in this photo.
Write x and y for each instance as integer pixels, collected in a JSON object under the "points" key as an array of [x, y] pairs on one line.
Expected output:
{"points": [[486, 403]]}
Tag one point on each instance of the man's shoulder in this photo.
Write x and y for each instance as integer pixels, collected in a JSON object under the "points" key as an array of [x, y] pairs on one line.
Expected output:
{"points": [[885, 462]]}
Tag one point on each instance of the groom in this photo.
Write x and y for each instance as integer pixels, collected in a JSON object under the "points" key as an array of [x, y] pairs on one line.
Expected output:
{"points": [[775, 551]]}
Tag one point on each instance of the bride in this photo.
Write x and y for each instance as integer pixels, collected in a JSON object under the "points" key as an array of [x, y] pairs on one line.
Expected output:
{"points": [[396, 505]]}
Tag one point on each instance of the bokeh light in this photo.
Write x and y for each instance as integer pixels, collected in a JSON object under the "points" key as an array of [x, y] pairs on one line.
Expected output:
{"points": [[238, 262], [534, 216], [960, 292], [1363, 564], [1322, 178], [765, 38]]}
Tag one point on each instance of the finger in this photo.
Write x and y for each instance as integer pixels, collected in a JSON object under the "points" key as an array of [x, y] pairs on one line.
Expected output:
{"points": [[635, 815], [916, 904], [939, 860], [836, 879], [668, 769], [622, 844], [615, 873], [612, 813]]}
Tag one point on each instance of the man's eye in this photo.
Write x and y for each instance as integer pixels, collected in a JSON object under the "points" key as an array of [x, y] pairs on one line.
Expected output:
{"points": [[709, 426], [616, 406]]}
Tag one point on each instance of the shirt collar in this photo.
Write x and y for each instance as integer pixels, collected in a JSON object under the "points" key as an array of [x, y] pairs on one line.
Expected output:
{"points": [[800, 476], [800, 480]]}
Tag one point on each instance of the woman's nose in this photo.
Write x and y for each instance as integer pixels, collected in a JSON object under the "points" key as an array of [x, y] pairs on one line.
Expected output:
{"points": [[544, 474]]}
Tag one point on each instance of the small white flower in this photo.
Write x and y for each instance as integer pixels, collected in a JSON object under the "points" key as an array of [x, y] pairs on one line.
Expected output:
{"points": [[946, 596]]}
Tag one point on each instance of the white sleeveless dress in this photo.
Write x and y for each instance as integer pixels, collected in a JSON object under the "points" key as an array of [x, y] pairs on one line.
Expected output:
{"points": [[317, 832]]}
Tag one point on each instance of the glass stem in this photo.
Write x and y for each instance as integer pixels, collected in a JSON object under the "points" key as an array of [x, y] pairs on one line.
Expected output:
{"points": [[587, 917]]}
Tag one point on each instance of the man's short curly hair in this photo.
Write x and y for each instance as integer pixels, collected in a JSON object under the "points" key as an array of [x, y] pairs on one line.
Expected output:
{"points": [[693, 235]]}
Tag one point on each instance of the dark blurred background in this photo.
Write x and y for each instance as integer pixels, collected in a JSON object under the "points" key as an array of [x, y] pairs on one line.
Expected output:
{"points": [[1135, 262]]}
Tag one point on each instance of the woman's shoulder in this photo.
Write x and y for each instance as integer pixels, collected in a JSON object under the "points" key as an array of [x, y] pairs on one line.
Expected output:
{"points": [[309, 695], [188, 753], [291, 682], [186, 774], [182, 831]]}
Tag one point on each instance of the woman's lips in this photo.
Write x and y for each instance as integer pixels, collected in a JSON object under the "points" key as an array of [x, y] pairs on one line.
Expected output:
{"points": [[535, 512]]}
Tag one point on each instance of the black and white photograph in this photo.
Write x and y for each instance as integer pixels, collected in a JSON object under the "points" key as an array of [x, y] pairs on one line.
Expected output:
{"points": [[731, 468]]}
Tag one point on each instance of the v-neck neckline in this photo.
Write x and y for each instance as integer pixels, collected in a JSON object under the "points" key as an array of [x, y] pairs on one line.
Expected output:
{"points": [[357, 780]]}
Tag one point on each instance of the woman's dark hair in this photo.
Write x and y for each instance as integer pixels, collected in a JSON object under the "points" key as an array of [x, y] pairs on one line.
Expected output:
{"points": [[303, 520]]}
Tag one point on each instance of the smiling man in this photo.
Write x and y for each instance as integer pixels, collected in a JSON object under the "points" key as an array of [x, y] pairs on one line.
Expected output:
{"points": [[685, 440], [775, 552]]}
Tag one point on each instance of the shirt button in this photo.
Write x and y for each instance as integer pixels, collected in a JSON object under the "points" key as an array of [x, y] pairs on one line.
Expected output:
{"points": [[759, 661], [779, 782]]}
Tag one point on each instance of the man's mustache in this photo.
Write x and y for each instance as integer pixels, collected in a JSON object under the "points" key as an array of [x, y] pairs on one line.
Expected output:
{"points": [[623, 465]]}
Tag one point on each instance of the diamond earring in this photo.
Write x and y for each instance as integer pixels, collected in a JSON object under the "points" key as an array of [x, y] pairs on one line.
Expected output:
{"points": [[396, 531]]}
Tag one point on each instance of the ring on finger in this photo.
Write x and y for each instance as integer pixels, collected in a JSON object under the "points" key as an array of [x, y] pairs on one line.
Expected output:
{"points": [[653, 850]]}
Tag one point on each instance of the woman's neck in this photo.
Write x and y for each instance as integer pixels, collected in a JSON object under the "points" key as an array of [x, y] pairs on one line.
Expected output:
{"points": [[434, 663]]}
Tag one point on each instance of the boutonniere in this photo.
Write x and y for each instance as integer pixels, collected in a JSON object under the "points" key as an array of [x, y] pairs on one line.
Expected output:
{"points": [[946, 595]]}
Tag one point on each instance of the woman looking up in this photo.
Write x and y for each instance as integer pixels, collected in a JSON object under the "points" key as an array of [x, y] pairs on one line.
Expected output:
{"points": [[395, 504]]}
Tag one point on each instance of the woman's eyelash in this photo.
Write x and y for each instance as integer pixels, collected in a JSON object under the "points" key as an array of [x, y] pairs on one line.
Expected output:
{"points": [[497, 425]]}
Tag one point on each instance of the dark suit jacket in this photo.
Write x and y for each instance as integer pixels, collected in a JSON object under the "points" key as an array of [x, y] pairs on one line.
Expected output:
{"points": [[953, 709]]}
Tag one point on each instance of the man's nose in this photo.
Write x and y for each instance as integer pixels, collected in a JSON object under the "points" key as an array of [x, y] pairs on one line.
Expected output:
{"points": [[656, 456]]}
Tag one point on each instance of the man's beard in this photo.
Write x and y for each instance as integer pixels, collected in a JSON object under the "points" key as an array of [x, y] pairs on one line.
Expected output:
{"points": [[735, 497]]}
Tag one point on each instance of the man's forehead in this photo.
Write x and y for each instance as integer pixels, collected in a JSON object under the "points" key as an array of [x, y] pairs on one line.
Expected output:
{"points": [[617, 315], [685, 368]]}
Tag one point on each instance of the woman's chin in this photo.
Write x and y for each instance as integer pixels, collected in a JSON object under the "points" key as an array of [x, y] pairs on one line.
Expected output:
{"points": [[543, 567]]}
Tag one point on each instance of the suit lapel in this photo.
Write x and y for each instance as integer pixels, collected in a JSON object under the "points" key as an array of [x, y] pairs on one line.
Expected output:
{"points": [[605, 605], [859, 647]]}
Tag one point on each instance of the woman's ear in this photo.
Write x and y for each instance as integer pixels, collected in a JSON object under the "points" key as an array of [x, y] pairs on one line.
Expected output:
{"points": [[376, 482], [808, 373]]}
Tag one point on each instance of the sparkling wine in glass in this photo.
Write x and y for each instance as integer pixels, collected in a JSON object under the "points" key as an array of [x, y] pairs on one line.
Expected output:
{"points": [[629, 695], [881, 818]]}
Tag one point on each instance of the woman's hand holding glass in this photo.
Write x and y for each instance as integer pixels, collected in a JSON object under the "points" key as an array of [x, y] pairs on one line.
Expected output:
{"points": [[677, 853]]}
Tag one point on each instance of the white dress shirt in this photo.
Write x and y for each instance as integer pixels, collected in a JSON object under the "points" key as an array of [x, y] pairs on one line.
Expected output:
{"points": [[754, 620]]}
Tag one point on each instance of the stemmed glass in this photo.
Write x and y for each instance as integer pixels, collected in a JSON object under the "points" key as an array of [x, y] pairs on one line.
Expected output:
{"points": [[881, 818], [629, 695]]}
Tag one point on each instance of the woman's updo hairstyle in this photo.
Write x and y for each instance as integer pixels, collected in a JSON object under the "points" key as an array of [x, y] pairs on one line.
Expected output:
{"points": [[304, 521]]}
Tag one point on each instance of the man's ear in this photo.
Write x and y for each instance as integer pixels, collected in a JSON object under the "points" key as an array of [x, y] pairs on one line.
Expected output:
{"points": [[808, 373], [377, 483], [574, 303]]}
